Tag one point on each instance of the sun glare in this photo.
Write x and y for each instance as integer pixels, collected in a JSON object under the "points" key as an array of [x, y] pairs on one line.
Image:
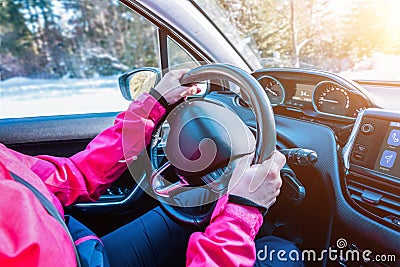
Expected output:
{"points": [[391, 9], [380, 20]]}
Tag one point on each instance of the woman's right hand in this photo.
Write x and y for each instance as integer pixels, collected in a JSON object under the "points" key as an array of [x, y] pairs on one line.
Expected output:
{"points": [[259, 183]]}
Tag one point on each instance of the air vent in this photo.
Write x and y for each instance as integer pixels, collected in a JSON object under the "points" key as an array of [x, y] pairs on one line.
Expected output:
{"points": [[375, 197]]}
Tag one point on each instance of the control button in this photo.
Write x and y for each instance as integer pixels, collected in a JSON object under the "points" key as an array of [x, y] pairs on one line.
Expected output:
{"points": [[360, 152], [367, 128], [388, 158], [115, 191], [359, 157], [394, 138], [361, 149], [215, 175], [207, 179], [312, 157]]}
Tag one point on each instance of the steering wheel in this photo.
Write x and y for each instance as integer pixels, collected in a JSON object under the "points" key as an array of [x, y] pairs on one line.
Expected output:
{"points": [[205, 140]]}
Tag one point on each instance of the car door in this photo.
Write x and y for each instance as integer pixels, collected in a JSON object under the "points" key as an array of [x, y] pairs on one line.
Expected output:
{"points": [[59, 86]]}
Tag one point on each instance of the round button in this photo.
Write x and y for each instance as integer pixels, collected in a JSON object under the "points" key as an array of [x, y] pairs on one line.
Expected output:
{"points": [[367, 128]]}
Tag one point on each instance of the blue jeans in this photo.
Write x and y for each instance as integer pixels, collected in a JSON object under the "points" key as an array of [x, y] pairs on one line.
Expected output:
{"points": [[155, 240]]}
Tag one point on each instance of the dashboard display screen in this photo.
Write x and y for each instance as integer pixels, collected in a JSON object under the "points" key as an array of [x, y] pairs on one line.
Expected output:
{"points": [[388, 160], [303, 92]]}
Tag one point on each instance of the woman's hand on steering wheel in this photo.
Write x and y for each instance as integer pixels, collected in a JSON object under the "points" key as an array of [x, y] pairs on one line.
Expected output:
{"points": [[170, 88], [259, 183]]}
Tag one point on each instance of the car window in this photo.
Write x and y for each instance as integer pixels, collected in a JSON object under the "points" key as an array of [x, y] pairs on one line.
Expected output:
{"points": [[179, 57], [64, 57]]}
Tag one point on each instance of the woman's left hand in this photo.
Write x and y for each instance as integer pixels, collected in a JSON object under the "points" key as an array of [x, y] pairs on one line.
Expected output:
{"points": [[171, 89]]}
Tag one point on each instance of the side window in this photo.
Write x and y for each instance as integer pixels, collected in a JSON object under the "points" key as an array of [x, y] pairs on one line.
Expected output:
{"points": [[178, 57], [64, 57]]}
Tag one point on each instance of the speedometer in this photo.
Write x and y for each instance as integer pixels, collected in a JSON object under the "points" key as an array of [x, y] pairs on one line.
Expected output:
{"points": [[333, 99], [273, 88]]}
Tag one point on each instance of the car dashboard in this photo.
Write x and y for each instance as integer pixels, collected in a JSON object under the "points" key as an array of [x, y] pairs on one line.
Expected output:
{"points": [[357, 176], [367, 134], [314, 93]]}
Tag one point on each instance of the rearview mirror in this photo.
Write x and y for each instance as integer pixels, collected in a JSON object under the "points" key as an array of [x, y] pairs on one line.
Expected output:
{"points": [[138, 81]]}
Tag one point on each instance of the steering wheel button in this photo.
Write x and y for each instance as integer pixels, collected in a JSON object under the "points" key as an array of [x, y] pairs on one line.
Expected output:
{"points": [[215, 174], [207, 179]]}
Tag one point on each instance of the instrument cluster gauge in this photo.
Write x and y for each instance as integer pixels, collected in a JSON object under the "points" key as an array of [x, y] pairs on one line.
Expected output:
{"points": [[273, 88], [333, 99]]}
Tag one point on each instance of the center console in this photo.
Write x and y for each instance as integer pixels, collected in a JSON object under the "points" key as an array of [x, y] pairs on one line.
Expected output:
{"points": [[372, 161]]}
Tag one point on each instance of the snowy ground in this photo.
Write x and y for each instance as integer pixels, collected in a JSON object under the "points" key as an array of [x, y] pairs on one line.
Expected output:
{"points": [[378, 67], [22, 97]]}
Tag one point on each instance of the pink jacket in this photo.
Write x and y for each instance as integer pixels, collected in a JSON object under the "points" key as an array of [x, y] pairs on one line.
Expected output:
{"points": [[31, 237]]}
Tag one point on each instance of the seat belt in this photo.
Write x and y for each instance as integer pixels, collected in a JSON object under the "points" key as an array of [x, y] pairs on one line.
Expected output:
{"points": [[50, 209]]}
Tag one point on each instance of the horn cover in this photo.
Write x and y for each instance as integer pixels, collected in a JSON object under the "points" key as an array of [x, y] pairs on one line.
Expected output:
{"points": [[204, 136]]}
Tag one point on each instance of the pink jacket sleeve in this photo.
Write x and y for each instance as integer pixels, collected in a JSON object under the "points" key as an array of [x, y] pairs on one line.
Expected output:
{"points": [[86, 174], [228, 240]]}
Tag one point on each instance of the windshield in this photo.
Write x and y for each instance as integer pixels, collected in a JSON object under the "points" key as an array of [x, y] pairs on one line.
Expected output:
{"points": [[359, 39]]}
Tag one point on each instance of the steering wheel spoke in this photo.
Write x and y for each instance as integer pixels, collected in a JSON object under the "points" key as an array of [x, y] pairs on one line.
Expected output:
{"points": [[162, 187]]}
